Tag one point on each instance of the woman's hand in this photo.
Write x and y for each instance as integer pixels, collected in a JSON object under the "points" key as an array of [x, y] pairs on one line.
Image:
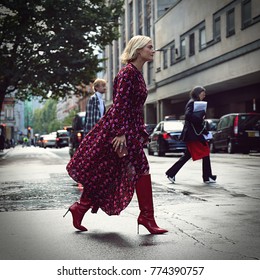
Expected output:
{"points": [[119, 142]]}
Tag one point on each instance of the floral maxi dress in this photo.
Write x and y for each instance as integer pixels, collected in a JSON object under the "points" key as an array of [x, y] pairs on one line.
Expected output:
{"points": [[108, 180]]}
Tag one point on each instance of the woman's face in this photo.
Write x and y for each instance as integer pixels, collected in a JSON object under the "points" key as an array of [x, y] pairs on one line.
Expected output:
{"points": [[147, 52], [202, 95]]}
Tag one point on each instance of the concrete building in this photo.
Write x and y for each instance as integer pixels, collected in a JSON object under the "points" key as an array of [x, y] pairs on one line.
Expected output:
{"points": [[200, 42]]}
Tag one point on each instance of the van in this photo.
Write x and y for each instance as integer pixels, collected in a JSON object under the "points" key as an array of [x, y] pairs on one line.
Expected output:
{"points": [[237, 132], [76, 132]]}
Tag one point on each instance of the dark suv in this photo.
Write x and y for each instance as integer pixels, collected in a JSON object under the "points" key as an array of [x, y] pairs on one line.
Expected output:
{"points": [[62, 138], [76, 132], [237, 132]]}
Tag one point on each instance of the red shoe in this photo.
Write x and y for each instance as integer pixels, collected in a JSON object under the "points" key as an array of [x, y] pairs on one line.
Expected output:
{"points": [[78, 211]]}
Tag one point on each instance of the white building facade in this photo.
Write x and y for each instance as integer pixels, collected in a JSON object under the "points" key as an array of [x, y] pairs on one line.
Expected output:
{"points": [[215, 44]]}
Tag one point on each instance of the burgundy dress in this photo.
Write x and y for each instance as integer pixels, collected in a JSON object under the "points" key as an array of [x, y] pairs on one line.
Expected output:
{"points": [[108, 180]]}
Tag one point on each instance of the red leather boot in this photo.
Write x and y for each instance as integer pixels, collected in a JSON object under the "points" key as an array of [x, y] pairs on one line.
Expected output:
{"points": [[78, 211], [145, 201]]}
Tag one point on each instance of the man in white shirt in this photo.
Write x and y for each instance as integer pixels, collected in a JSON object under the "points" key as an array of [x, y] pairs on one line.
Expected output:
{"points": [[96, 106]]}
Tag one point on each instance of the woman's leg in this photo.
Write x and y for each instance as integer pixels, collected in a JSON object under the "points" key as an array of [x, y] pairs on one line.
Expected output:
{"points": [[171, 172], [145, 201], [206, 170], [78, 210]]}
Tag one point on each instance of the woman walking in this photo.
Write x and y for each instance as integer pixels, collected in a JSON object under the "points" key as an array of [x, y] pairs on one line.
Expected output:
{"points": [[192, 134], [109, 179]]}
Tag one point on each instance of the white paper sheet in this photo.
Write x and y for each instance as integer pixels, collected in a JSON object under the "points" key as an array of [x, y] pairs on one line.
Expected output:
{"points": [[200, 105]]}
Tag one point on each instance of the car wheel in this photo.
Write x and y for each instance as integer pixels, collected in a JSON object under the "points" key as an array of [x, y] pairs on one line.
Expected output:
{"points": [[230, 148], [160, 153], [159, 150]]}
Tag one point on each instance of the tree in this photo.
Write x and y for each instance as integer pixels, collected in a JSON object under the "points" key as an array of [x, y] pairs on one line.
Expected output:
{"points": [[47, 47], [45, 119], [69, 119]]}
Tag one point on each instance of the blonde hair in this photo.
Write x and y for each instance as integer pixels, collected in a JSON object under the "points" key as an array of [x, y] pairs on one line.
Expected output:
{"points": [[130, 51], [97, 82]]}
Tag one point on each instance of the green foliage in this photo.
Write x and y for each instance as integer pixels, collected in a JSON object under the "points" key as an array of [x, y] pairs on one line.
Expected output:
{"points": [[44, 120], [68, 120], [47, 47]]}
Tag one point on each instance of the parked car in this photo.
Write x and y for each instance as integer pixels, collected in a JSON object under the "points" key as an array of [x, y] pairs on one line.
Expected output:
{"points": [[165, 138], [76, 132], [49, 140], [62, 138], [237, 132], [150, 127], [212, 125], [40, 140]]}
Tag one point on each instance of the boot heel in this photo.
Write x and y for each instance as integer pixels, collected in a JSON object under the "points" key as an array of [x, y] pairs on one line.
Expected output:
{"points": [[66, 213]]}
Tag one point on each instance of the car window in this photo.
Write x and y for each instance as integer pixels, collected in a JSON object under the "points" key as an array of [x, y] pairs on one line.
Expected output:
{"points": [[223, 122], [213, 126], [62, 133], [158, 127], [82, 121], [173, 126], [78, 122], [231, 120], [249, 122]]}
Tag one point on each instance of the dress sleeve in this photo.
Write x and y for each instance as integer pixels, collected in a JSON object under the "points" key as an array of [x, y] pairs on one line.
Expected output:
{"points": [[122, 103]]}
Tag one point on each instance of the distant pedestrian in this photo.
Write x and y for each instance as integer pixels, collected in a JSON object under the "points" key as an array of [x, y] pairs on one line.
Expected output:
{"points": [[25, 141], [95, 108], [193, 135], [2, 142], [110, 177]]}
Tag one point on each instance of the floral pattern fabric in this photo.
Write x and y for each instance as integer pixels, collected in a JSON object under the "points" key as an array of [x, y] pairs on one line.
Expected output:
{"points": [[108, 180]]}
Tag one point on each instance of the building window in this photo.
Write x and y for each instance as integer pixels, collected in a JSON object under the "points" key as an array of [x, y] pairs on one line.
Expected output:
{"points": [[150, 73], [231, 22], [216, 29], [131, 20], [9, 112], [123, 32], [148, 17], [140, 18], [183, 48], [165, 58], [191, 44], [202, 38], [246, 13], [172, 54]]}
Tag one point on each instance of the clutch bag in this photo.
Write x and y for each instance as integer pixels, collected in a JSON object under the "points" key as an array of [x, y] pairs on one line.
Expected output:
{"points": [[122, 152]]}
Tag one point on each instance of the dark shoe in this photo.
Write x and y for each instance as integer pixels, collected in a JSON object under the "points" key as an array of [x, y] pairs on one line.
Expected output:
{"points": [[171, 179], [211, 179]]}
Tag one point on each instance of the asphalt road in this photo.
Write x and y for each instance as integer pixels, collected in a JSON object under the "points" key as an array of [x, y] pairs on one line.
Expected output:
{"points": [[212, 222]]}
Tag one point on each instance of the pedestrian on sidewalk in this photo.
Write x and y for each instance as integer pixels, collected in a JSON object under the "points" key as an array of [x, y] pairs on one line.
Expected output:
{"points": [[108, 176], [193, 134], [95, 108]]}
